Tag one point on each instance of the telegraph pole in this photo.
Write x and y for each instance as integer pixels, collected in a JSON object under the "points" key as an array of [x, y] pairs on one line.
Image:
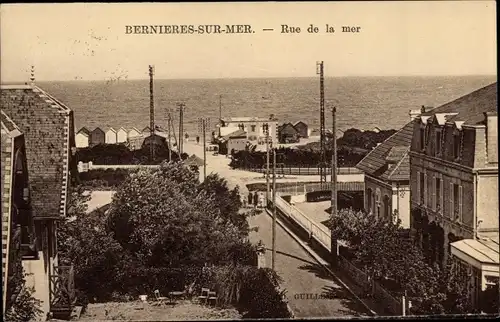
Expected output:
{"points": [[169, 120], [320, 71], [151, 112], [274, 209], [181, 126], [203, 123], [334, 183], [266, 132]]}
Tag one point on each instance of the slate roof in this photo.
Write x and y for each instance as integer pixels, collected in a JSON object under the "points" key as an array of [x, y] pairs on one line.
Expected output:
{"points": [[471, 107], [393, 150], [235, 134], [47, 125], [84, 130], [288, 129]]}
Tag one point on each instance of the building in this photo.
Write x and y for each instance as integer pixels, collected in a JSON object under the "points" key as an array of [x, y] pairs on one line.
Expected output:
{"points": [[110, 136], [135, 142], [387, 177], [478, 259], [133, 132], [82, 138], [121, 135], [454, 173], [48, 164], [253, 126], [302, 129], [146, 130], [288, 134], [97, 136], [236, 141]]}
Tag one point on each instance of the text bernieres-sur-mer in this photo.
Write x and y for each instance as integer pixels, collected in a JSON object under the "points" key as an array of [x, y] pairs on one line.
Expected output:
{"points": [[188, 29]]}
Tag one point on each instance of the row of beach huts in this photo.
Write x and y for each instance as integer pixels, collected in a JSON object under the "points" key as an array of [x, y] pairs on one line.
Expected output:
{"points": [[133, 136]]}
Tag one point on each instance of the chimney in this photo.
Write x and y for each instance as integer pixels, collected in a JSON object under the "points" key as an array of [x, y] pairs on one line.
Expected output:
{"points": [[491, 136], [32, 78], [414, 114]]}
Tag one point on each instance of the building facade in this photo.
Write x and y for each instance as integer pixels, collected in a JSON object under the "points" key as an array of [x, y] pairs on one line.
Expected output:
{"points": [[82, 138], [47, 125], [121, 135], [387, 177], [110, 136], [97, 136], [253, 126], [302, 129], [454, 173], [133, 132]]}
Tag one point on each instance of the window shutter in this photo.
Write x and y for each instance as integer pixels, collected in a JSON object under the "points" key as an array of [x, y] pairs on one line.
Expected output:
{"points": [[419, 193], [426, 185], [460, 203], [441, 195], [434, 200], [452, 210]]}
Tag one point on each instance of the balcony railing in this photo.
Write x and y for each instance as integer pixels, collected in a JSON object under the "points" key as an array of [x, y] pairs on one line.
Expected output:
{"points": [[62, 290]]}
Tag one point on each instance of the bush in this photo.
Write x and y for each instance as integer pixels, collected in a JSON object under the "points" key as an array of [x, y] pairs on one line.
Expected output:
{"points": [[24, 307]]}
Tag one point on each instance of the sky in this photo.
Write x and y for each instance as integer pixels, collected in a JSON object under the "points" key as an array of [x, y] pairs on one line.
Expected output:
{"points": [[88, 41]]}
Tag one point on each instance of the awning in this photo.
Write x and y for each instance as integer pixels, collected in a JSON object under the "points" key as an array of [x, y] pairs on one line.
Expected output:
{"points": [[477, 252]]}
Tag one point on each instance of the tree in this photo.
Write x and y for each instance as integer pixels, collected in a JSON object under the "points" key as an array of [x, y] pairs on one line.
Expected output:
{"points": [[164, 221], [228, 201], [24, 307]]}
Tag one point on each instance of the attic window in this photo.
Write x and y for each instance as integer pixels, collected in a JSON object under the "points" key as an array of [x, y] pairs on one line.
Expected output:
{"points": [[438, 142], [456, 146], [422, 139]]}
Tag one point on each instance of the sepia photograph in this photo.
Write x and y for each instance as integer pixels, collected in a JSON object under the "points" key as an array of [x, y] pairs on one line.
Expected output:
{"points": [[249, 160]]}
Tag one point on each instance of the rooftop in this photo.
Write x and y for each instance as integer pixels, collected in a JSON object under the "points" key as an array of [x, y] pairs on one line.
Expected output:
{"points": [[47, 125], [245, 119], [393, 150], [235, 134], [469, 108], [485, 250]]}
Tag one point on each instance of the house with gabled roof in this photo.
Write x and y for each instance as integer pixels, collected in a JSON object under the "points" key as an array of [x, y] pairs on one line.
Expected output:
{"points": [[302, 129], [97, 136], [37, 188], [82, 138], [134, 132], [110, 135], [387, 176], [121, 135]]}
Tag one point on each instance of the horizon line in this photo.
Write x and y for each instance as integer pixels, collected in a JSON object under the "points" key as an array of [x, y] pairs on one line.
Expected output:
{"points": [[239, 78]]}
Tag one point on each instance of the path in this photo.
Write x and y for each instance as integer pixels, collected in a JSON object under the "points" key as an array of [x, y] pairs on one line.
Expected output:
{"points": [[302, 275]]}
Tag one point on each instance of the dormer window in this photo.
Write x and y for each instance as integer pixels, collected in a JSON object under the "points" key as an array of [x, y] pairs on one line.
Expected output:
{"points": [[438, 142], [422, 139], [456, 146]]}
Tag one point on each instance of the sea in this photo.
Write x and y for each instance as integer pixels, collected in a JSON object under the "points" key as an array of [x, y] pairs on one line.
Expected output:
{"points": [[361, 102]]}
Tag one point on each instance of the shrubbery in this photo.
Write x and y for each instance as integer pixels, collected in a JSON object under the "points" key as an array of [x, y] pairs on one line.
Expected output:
{"points": [[162, 228], [379, 248]]}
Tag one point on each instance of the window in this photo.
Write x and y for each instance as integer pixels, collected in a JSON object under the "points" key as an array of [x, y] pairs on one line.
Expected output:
{"points": [[438, 143], [456, 202], [422, 188], [438, 195], [369, 200], [422, 139], [456, 146], [253, 128]]}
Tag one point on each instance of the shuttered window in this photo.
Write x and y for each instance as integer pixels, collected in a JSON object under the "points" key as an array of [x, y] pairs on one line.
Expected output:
{"points": [[426, 201], [418, 187], [460, 201], [452, 206], [434, 187]]}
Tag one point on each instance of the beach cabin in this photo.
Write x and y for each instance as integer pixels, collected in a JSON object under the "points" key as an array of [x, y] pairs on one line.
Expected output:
{"points": [[134, 132], [146, 130], [121, 135], [288, 134], [82, 138], [302, 129], [97, 136], [110, 136]]}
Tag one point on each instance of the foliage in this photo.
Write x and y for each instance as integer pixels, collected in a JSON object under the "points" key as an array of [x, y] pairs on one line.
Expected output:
{"points": [[23, 307], [164, 220], [103, 178], [114, 154], [363, 139], [254, 290], [382, 252], [228, 201]]}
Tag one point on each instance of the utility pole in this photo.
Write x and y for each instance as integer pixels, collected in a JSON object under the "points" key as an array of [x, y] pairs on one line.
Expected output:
{"points": [[274, 209], [334, 184], [181, 127], [203, 124], [320, 71], [169, 122], [266, 132], [151, 113]]}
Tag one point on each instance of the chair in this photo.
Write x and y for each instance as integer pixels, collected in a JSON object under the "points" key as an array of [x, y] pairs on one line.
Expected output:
{"points": [[212, 297], [204, 295], [159, 299]]}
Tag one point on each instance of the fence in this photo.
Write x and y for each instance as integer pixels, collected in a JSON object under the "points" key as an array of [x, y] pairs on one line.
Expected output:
{"points": [[323, 236], [302, 170], [85, 167]]}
